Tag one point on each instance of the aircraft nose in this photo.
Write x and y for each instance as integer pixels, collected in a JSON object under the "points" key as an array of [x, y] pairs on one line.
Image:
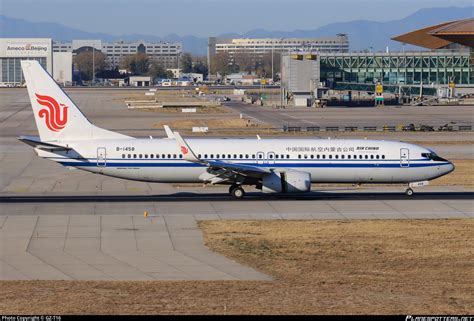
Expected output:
{"points": [[449, 167]]}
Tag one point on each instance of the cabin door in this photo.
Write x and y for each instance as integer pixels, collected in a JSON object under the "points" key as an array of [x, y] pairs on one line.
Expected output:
{"points": [[101, 157], [404, 157]]}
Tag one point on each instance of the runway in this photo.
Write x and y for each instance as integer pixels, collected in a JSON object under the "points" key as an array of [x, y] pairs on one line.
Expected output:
{"points": [[349, 203]]}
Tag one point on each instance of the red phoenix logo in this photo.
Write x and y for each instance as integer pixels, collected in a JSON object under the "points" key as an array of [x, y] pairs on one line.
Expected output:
{"points": [[55, 114], [184, 150]]}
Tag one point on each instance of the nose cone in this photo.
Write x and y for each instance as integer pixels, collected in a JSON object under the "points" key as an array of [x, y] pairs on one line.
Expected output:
{"points": [[450, 167], [447, 168]]}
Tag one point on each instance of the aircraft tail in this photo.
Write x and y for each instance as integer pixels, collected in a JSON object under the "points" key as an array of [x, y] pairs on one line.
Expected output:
{"points": [[56, 115]]}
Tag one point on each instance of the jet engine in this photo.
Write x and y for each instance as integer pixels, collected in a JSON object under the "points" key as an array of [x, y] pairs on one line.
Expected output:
{"points": [[287, 182]]}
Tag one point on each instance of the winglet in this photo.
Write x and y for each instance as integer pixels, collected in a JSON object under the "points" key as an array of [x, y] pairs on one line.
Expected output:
{"points": [[168, 131], [185, 149]]}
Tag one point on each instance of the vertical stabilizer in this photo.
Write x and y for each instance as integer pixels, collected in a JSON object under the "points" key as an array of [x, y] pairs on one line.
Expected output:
{"points": [[56, 115]]}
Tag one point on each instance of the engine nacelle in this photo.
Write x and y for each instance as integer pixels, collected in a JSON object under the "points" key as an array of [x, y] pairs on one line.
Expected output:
{"points": [[287, 182]]}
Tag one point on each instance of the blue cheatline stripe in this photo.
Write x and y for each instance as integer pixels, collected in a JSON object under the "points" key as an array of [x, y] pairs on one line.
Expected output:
{"points": [[307, 165], [247, 161]]}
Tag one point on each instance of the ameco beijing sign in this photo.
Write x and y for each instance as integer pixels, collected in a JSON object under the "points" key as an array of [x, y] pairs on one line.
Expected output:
{"points": [[25, 49]]}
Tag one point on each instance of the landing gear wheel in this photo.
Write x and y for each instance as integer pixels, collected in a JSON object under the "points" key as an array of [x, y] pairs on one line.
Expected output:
{"points": [[237, 192], [409, 192]]}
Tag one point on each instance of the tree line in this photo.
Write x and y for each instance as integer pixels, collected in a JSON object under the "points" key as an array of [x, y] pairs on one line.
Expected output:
{"points": [[139, 64], [226, 63]]}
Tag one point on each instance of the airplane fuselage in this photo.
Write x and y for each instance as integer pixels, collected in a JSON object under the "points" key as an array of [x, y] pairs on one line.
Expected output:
{"points": [[327, 160]]}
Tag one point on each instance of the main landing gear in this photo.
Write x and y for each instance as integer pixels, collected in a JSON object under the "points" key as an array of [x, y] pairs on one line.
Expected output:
{"points": [[236, 191], [409, 192]]}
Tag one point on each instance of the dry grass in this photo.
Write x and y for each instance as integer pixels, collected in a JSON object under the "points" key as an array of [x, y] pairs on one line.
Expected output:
{"points": [[462, 175], [209, 122], [320, 267], [178, 110]]}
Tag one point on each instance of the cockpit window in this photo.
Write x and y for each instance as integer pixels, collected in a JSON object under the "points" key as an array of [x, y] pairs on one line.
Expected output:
{"points": [[433, 156]]}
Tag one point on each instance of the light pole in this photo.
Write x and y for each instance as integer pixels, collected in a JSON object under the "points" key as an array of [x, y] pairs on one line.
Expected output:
{"points": [[272, 66], [93, 64]]}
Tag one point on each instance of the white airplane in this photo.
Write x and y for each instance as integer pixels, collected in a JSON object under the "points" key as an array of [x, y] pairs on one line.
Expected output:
{"points": [[273, 165]]}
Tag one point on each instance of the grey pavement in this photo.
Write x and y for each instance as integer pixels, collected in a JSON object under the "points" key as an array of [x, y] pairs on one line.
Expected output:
{"points": [[92, 247]]}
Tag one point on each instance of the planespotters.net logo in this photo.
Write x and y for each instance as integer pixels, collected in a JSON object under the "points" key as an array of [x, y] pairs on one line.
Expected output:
{"points": [[439, 318], [55, 114]]}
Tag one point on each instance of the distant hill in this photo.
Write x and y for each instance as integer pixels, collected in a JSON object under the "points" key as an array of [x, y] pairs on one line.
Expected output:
{"points": [[363, 34]]}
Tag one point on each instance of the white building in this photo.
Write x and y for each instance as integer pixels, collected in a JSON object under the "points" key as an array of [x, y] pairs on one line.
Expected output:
{"points": [[260, 46], [13, 50], [62, 67], [194, 77], [166, 54]]}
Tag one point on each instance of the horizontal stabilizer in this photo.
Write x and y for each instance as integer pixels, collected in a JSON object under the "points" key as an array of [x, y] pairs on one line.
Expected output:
{"points": [[36, 142]]}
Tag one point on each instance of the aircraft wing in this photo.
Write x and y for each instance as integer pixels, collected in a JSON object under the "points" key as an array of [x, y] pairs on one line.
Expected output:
{"points": [[37, 143], [245, 170], [220, 170]]}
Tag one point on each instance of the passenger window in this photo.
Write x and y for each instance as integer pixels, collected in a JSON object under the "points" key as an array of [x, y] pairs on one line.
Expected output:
{"points": [[276, 156], [342, 156], [330, 156], [163, 156], [260, 156], [383, 156], [366, 156], [212, 156], [247, 156], [123, 155], [235, 155], [318, 156], [324, 156], [205, 155], [348, 156], [229, 156], [129, 156], [299, 156], [141, 156], [360, 156], [337, 156], [180, 155], [253, 156], [377, 156], [146, 155], [241, 156], [199, 156], [271, 156], [371, 156], [169, 155], [288, 156], [312, 156], [306, 156]]}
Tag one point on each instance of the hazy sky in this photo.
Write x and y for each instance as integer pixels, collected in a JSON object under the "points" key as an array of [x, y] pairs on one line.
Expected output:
{"points": [[210, 17]]}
